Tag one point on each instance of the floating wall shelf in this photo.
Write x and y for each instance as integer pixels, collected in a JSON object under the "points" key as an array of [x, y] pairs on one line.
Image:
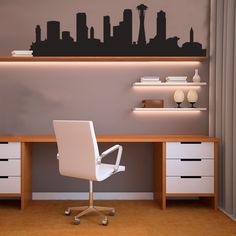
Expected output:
{"points": [[170, 109], [100, 58], [139, 84]]}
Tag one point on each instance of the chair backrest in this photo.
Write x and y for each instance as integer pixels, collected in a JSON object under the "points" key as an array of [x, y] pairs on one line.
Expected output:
{"points": [[77, 147]]}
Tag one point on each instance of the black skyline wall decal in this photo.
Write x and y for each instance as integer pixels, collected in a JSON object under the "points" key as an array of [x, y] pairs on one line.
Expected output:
{"points": [[119, 42]]}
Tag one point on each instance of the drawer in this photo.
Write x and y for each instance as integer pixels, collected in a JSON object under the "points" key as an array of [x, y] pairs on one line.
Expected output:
{"points": [[10, 150], [189, 150], [10, 167], [197, 167], [189, 185], [10, 185]]}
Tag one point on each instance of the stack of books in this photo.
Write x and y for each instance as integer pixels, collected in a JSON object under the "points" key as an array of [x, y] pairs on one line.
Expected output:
{"points": [[176, 79], [22, 53], [150, 79]]}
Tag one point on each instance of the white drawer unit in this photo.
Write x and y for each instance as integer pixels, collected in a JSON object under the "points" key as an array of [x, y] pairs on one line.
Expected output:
{"points": [[10, 150], [190, 150], [9, 184], [195, 167], [190, 168], [193, 185], [10, 168]]}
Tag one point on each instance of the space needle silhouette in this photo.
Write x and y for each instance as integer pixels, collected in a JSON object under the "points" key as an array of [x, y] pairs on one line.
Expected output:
{"points": [[117, 40], [141, 37]]}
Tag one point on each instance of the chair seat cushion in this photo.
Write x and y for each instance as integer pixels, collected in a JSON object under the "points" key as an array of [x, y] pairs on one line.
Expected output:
{"points": [[106, 170]]}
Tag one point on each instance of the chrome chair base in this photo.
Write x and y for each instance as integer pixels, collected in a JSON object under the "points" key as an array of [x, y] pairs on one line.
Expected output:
{"points": [[84, 210]]}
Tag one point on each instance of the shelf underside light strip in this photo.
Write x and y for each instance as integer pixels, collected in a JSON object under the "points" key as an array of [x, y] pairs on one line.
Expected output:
{"points": [[169, 109], [106, 58], [139, 84]]}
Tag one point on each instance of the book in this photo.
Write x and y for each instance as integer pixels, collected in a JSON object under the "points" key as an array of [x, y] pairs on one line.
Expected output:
{"points": [[150, 79], [151, 82], [181, 78], [22, 53], [176, 81]]}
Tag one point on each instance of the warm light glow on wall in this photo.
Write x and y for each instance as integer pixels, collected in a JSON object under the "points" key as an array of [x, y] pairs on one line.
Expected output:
{"points": [[166, 88], [100, 63], [174, 111], [166, 113]]}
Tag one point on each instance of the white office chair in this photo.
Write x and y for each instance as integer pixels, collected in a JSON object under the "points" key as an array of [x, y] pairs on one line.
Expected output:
{"points": [[79, 157]]}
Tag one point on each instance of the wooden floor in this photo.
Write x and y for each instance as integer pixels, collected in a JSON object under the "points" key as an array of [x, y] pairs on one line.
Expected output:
{"points": [[46, 218]]}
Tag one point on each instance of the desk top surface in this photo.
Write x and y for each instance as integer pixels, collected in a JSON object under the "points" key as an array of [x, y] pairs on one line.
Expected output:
{"points": [[115, 138]]}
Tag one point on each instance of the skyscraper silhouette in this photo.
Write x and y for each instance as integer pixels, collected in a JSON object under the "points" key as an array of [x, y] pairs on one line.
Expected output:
{"points": [[161, 25], [141, 37], [91, 33], [38, 33], [53, 31], [106, 29], [191, 47], [127, 19], [191, 40], [66, 36], [122, 33], [81, 28]]}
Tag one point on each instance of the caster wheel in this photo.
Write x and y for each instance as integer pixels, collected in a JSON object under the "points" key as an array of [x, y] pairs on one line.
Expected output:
{"points": [[105, 222], [112, 212], [67, 212], [77, 221]]}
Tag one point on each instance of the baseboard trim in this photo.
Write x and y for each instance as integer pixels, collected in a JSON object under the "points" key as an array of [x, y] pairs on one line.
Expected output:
{"points": [[97, 196], [226, 213]]}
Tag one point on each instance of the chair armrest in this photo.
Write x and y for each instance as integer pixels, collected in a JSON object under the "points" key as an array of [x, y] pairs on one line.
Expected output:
{"points": [[110, 150]]}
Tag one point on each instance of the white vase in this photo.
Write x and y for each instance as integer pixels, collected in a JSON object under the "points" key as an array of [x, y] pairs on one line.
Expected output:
{"points": [[196, 77]]}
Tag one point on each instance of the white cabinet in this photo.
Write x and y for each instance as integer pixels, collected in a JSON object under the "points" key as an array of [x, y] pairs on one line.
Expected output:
{"points": [[10, 168], [190, 150], [186, 184], [10, 185], [189, 167], [10, 150]]}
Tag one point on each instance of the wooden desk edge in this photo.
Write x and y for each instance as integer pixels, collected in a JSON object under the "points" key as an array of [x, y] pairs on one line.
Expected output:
{"points": [[114, 138]]}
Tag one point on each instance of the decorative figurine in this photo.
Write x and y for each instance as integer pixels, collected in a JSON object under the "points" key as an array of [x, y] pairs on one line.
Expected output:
{"points": [[192, 97], [179, 97]]}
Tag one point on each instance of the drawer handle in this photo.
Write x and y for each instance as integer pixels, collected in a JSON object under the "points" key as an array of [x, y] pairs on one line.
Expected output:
{"points": [[4, 159], [3, 177], [190, 142], [190, 159], [3, 142], [190, 177]]}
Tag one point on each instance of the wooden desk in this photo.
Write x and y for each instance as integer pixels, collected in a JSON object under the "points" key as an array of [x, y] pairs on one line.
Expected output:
{"points": [[159, 162]]}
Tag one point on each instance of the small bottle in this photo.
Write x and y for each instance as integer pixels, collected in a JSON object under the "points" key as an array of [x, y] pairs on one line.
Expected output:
{"points": [[196, 77]]}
